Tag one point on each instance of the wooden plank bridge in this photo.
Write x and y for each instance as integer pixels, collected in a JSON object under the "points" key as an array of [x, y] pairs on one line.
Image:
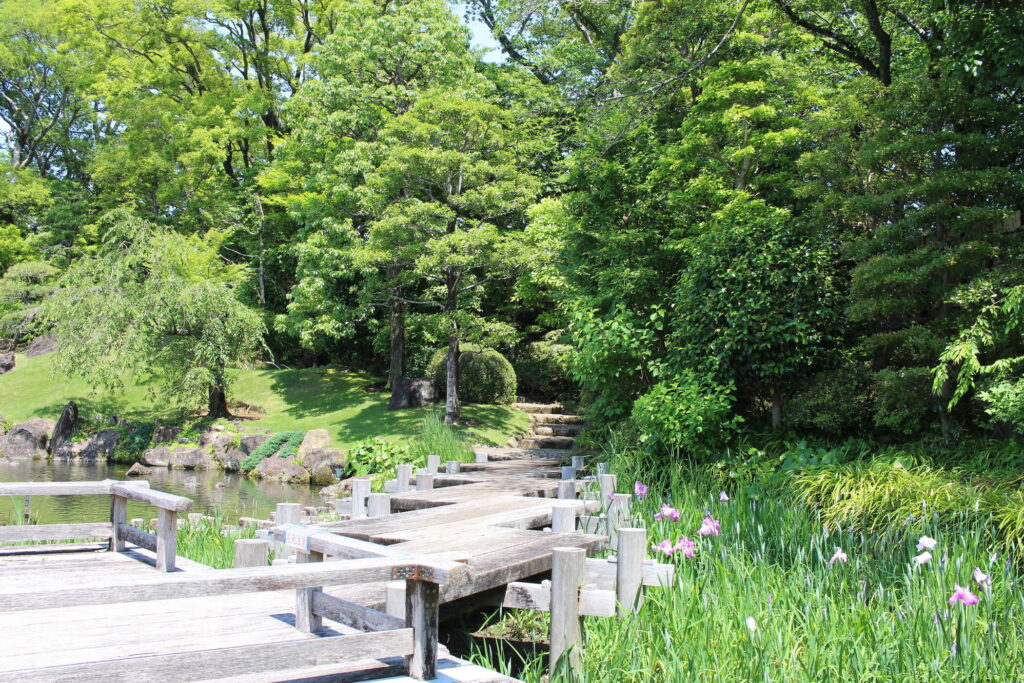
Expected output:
{"points": [[141, 613]]}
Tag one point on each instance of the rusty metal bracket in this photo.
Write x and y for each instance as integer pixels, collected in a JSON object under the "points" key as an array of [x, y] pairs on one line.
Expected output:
{"points": [[413, 573]]}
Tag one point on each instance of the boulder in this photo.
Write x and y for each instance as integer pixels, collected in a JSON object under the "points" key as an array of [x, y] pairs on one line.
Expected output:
{"points": [[6, 362], [138, 470], [230, 459], [28, 439], [412, 392], [165, 433], [342, 488], [41, 345], [66, 426], [251, 442], [323, 474], [281, 469], [315, 456], [191, 459], [315, 438], [103, 444], [157, 457]]}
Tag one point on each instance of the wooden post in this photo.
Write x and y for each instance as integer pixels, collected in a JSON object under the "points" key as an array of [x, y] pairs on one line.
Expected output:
{"points": [[567, 490], [26, 509], [618, 511], [452, 467], [305, 619], [251, 552], [568, 472], [632, 550], [421, 599], [568, 573], [563, 517], [403, 477], [606, 482], [118, 515], [287, 513], [378, 504], [394, 599], [433, 464], [424, 482], [360, 491], [480, 457], [166, 539], [577, 462], [602, 468]]}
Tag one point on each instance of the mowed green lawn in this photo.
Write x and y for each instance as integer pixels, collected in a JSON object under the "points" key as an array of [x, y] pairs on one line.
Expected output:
{"points": [[314, 398]]}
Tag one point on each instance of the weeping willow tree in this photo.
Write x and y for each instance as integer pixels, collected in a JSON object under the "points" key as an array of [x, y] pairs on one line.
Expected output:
{"points": [[156, 305]]}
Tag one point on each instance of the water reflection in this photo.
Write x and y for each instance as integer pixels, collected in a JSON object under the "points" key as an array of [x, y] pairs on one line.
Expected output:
{"points": [[229, 494]]}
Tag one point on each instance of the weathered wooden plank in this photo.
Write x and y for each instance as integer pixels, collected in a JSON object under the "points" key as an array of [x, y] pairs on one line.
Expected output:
{"points": [[206, 664], [567, 575], [54, 532], [593, 602], [421, 601], [601, 573], [65, 488], [159, 499], [118, 517], [306, 618], [353, 615], [167, 538], [251, 552], [141, 538], [222, 582]]}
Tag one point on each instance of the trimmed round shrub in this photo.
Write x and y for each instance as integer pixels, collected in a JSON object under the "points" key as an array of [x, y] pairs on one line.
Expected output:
{"points": [[485, 376]]}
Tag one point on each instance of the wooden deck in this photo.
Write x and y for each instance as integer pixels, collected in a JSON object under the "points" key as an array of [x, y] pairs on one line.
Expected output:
{"points": [[490, 517], [44, 644], [486, 522]]}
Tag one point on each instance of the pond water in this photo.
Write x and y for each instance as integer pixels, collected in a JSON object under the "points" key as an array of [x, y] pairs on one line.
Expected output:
{"points": [[230, 495]]}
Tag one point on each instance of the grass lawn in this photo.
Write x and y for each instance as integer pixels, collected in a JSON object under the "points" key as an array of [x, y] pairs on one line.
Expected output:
{"points": [[315, 398]]}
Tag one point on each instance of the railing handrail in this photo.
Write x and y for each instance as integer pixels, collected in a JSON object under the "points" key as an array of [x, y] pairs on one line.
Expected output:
{"points": [[65, 488]]}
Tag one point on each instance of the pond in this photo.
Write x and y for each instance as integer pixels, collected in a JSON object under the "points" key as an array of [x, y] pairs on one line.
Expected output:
{"points": [[214, 492]]}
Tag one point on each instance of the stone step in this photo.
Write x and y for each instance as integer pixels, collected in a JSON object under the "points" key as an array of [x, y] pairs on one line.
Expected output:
{"points": [[539, 408], [558, 429], [561, 442], [556, 419]]}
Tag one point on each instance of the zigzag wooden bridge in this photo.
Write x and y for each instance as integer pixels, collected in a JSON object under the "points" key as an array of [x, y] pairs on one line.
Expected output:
{"points": [[361, 601]]}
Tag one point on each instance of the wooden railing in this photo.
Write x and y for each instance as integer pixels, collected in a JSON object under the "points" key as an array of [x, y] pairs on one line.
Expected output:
{"points": [[163, 542], [415, 637]]}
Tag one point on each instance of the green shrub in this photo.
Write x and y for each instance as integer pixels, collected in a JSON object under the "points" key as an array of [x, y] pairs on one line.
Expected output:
{"points": [[485, 376], [544, 370], [905, 403], [1004, 402], [376, 457], [284, 444], [836, 402], [688, 415]]}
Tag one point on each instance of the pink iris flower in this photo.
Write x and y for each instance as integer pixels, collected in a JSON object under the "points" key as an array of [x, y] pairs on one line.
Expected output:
{"points": [[640, 489], [723, 497], [926, 543], [839, 556], [981, 578], [961, 594], [664, 547], [710, 527], [923, 558], [686, 546], [668, 513]]}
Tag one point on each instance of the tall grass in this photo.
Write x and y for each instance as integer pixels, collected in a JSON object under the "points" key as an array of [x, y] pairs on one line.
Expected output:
{"points": [[878, 616], [209, 543], [436, 438]]}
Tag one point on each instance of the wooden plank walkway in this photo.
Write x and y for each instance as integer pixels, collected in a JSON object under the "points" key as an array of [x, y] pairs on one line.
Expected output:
{"points": [[39, 640], [488, 516], [488, 519]]}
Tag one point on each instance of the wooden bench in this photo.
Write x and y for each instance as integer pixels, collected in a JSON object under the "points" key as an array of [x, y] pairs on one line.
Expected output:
{"points": [[163, 542]]}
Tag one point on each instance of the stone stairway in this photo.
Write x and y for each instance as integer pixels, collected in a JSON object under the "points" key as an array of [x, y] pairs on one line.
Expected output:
{"points": [[551, 428]]}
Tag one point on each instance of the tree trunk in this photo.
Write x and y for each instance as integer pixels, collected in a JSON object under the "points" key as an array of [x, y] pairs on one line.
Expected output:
{"points": [[452, 409], [776, 412], [218, 406], [396, 368]]}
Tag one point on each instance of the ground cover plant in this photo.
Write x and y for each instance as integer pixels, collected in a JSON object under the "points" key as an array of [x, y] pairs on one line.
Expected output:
{"points": [[766, 590]]}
